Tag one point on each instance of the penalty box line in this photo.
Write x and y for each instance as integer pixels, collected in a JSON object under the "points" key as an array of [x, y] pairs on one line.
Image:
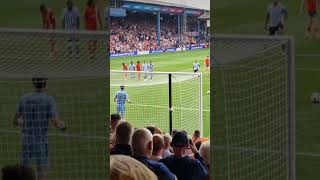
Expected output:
{"points": [[165, 107], [59, 134]]}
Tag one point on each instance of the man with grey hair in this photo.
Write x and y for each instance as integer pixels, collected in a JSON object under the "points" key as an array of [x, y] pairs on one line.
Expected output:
{"points": [[142, 146], [204, 152]]}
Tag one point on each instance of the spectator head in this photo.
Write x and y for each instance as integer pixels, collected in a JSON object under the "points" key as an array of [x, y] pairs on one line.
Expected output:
{"points": [[159, 131], [17, 172], [114, 122], [123, 133], [112, 140], [152, 129], [167, 140], [122, 87], [180, 143], [141, 142], [122, 64], [126, 168], [196, 135], [158, 145], [39, 81], [138, 62], [205, 152]]}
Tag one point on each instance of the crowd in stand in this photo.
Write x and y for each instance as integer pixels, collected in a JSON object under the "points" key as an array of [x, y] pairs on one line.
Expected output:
{"points": [[136, 33], [148, 153]]}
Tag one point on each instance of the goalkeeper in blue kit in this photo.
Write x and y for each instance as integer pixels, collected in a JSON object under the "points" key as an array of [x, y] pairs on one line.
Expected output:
{"points": [[121, 98], [34, 113]]}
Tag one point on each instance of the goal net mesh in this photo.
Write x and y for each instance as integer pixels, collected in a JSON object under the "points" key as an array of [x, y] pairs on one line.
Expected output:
{"points": [[150, 99], [252, 109], [77, 76]]}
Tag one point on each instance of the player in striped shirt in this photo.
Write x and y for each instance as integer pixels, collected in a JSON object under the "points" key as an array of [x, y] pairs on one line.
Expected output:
{"points": [[132, 67], [71, 22], [93, 22], [311, 6], [151, 70], [49, 22], [121, 98], [34, 113], [276, 16], [145, 69]]}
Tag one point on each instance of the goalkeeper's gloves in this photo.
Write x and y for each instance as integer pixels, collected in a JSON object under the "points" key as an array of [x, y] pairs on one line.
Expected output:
{"points": [[62, 126]]}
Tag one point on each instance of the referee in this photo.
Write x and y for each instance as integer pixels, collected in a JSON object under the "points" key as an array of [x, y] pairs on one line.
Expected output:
{"points": [[276, 15]]}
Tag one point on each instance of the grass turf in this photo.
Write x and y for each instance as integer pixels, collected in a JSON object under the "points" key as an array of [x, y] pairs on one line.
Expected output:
{"points": [[237, 17]]}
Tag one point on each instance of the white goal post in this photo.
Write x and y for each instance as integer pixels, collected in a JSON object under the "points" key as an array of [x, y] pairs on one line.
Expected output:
{"points": [[168, 100], [253, 117]]}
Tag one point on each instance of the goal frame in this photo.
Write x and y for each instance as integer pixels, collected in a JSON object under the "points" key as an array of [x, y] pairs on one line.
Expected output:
{"points": [[291, 77], [170, 92]]}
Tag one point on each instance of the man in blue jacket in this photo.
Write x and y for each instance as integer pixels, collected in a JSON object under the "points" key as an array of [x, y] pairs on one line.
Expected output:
{"points": [[183, 166]]}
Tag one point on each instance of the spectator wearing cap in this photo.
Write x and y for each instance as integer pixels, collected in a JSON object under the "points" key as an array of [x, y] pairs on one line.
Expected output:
{"points": [[158, 147], [126, 168], [142, 147], [123, 137], [183, 166], [205, 154], [167, 140]]}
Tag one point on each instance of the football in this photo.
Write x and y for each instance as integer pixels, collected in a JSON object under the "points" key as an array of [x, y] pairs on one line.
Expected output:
{"points": [[208, 92], [315, 97]]}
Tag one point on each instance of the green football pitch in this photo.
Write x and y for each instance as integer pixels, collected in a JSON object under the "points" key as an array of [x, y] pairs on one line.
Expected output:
{"points": [[234, 16], [156, 97]]}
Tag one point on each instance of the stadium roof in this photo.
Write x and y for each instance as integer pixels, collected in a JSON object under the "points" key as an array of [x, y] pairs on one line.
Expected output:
{"points": [[193, 4]]}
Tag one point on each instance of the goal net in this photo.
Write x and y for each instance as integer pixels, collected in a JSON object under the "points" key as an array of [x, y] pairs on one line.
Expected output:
{"points": [[150, 95], [253, 126], [75, 66]]}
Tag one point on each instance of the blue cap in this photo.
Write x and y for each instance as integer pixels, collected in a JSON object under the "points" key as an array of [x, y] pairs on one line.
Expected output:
{"points": [[180, 139]]}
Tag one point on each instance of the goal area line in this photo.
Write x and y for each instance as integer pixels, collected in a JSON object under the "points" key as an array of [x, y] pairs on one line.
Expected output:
{"points": [[166, 107]]}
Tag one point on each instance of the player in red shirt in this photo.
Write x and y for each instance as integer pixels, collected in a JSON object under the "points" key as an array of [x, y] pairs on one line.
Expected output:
{"points": [[311, 6], [125, 68], [93, 22], [207, 64], [49, 22], [138, 68]]}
